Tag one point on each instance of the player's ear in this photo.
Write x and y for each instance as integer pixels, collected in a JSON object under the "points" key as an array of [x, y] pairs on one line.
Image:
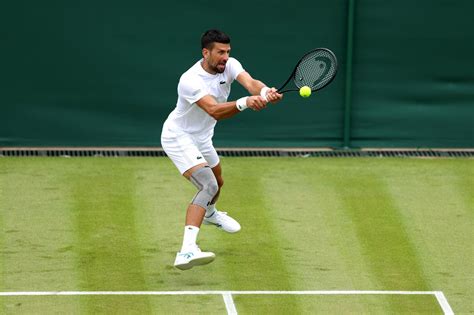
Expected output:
{"points": [[205, 53]]}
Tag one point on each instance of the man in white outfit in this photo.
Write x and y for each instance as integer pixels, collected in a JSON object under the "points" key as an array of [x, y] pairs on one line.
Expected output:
{"points": [[187, 135]]}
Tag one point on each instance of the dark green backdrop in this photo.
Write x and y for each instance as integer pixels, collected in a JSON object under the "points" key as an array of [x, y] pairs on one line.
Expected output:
{"points": [[104, 73]]}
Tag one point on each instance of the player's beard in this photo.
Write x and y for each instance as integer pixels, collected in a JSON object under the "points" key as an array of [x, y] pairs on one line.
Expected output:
{"points": [[216, 68]]}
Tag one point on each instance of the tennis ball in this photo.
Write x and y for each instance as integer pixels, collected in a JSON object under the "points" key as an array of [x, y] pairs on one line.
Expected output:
{"points": [[305, 91]]}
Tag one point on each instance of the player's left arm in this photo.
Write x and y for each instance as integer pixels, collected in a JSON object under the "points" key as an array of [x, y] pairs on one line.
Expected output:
{"points": [[257, 87]]}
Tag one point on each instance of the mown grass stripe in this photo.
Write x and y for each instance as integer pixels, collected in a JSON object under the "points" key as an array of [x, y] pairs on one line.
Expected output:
{"points": [[37, 251], [257, 247], [109, 254], [435, 200], [463, 171], [382, 235], [321, 245]]}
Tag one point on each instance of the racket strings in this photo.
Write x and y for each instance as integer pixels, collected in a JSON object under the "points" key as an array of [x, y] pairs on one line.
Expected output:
{"points": [[315, 70]]}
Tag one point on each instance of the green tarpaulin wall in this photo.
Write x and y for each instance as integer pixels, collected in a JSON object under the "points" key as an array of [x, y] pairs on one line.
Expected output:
{"points": [[104, 73]]}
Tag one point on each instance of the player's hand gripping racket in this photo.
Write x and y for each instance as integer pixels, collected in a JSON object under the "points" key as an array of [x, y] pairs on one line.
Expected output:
{"points": [[316, 70]]}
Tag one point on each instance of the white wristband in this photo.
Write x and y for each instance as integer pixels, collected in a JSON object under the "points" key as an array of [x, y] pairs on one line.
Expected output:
{"points": [[263, 92], [241, 103]]}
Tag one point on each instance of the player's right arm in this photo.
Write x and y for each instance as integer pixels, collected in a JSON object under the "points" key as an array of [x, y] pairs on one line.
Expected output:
{"points": [[192, 91], [220, 111]]}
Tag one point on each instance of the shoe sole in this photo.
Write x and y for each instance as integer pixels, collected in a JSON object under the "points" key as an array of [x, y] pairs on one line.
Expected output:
{"points": [[196, 262]]}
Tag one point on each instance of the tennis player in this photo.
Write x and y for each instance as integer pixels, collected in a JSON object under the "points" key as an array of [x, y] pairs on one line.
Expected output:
{"points": [[187, 135]]}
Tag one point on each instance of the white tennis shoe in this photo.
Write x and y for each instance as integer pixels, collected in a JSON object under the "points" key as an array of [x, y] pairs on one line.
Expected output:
{"points": [[193, 257], [223, 221]]}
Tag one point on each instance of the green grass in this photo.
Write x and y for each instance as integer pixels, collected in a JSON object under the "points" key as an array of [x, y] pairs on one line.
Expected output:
{"points": [[105, 224]]}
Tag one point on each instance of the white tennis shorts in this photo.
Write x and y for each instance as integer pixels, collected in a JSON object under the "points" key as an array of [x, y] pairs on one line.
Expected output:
{"points": [[186, 150]]}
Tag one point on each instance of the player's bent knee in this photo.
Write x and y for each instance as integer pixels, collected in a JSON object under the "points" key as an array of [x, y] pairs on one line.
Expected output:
{"points": [[213, 188], [206, 182]]}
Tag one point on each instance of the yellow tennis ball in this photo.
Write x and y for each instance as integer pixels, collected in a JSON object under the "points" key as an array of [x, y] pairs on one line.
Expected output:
{"points": [[305, 91]]}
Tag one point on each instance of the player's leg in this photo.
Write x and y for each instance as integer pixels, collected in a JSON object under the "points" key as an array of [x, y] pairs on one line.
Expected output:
{"points": [[189, 161], [203, 177], [190, 255], [217, 170], [213, 216], [195, 213], [209, 152]]}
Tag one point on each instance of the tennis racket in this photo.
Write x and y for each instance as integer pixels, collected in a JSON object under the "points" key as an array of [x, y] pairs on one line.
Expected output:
{"points": [[316, 69]]}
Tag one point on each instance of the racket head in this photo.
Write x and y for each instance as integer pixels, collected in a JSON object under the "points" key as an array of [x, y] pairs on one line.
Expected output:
{"points": [[316, 69]]}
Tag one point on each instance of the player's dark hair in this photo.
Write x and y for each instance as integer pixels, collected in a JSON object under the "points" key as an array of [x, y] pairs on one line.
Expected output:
{"points": [[214, 36]]}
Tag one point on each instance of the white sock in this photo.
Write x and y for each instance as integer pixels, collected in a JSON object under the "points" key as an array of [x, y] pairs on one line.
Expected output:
{"points": [[190, 237], [210, 210]]}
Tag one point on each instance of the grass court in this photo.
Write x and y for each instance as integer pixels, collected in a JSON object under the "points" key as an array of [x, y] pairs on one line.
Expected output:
{"points": [[314, 224]]}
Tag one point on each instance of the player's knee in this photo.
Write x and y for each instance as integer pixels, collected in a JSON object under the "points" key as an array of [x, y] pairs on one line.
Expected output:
{"points": [[212, 187], [206, 182]]}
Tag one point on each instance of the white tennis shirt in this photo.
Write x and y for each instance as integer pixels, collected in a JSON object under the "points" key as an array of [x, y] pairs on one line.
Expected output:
{"points": [[194, 84]]}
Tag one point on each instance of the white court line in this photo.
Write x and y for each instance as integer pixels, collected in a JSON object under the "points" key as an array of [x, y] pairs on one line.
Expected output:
{"points": [[444, 303], [336, 292], [227, 295], [229, 303]]}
